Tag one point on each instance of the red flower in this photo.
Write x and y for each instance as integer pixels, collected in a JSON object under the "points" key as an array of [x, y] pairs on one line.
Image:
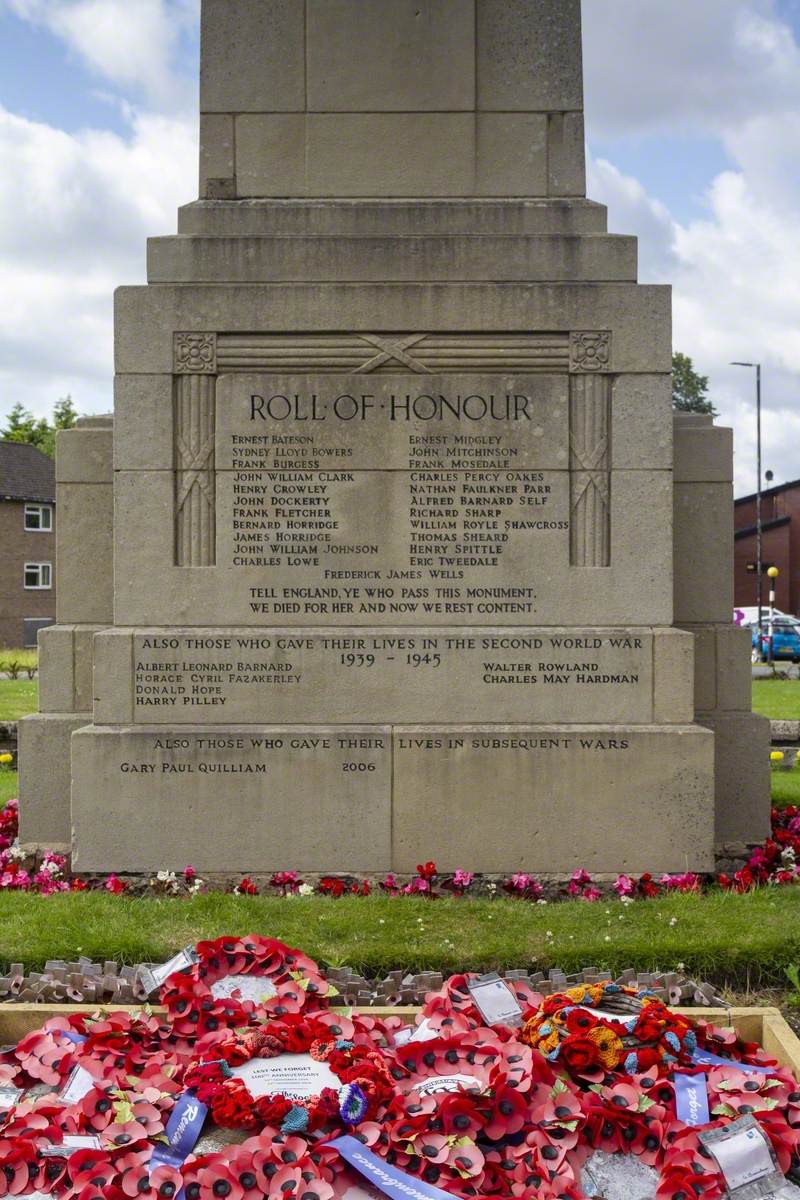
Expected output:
{"points": [[427, 870], [166, 1182], [580, 1020], [579, 1053]]}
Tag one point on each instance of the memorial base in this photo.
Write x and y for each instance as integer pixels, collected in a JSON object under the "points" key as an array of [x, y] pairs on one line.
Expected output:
{"points": [[44, 783], [366, 799]]}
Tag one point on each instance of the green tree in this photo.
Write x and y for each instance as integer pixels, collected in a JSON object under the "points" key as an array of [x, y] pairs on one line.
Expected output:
{"points": [[689, 390], [22, 426]]}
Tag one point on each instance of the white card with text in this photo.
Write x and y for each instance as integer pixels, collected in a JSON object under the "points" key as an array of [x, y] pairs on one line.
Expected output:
{"points": [[296, 1076]]}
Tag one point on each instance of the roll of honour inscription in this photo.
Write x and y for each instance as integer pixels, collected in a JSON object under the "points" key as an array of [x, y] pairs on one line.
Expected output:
{"points": [[375, 499]]}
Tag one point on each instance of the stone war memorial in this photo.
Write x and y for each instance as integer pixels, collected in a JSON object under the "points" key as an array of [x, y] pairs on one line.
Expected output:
{"points": [[394, 549]]}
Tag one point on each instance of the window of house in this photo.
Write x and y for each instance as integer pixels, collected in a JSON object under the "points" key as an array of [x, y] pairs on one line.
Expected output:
{"points": [[38, 518], [38, 576], [31, 627]]}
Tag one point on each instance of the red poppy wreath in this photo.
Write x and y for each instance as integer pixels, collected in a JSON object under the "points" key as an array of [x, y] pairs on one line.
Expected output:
{"points": [[299, 1075], [237, 981]]}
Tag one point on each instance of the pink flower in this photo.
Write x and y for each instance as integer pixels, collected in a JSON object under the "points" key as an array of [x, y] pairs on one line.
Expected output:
{"points": [[189, 874], [688, 882], [115, 885], [624, 885], [287, 881], [463, 878]]}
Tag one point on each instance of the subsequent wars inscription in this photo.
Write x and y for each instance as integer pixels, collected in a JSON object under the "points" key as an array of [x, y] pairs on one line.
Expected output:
{"points": [[423, 674], [326, 780]]}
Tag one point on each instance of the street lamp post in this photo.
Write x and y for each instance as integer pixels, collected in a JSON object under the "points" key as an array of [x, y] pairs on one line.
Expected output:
{"points": [[759, 557], [773, 573]]}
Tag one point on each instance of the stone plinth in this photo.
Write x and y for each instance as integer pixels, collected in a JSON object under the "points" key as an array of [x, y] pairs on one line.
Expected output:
{"points": [[704, 606], [395, 514], [370, 798]]}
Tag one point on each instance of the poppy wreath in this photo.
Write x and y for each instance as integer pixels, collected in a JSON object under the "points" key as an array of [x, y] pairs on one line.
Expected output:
{"points": [[585, 1042], [452, 1009], [365, 1083], [261, 1166], [194, 996], [461, 1103]]}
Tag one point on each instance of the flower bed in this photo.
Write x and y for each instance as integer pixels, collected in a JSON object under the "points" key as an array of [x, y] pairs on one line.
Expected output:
{"points": [[776, 863], [508, 1094]]}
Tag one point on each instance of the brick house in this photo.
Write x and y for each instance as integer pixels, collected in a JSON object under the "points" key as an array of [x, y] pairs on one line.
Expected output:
{"points": [[780, 522], [27, 543]]}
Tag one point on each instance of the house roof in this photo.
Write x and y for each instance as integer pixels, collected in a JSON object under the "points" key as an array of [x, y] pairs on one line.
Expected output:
{"points": [[773, 491], [26, 473], [752, 530]]}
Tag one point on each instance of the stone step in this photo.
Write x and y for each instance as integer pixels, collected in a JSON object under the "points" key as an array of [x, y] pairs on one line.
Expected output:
{"points": [[351, 218], [598, 258]]}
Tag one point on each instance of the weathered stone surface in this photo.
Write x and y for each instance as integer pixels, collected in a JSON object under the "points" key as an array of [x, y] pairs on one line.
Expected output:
{"points": [[703, 547], [565, 155], [56, 669], [785, 731], [632, 590], [85, 452], [44, 780], [376, 218], [420, 56], [83, 554], [638, 316], [377, 259], [65, 668], [143, 420], [642, 419], [529, 55], [217, 152], [741, 753], [290, 795], [270, 154], [703, 450], [176, 677], [253, 56], [543, 798]]}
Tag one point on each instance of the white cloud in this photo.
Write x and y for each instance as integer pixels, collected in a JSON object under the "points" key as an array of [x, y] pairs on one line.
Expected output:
{"points": [[685, 65], [75, 213], [130, 42]]}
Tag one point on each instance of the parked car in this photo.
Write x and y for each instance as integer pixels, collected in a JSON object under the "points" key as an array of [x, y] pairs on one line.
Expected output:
{"points": [[785, 640], [748, 616]]}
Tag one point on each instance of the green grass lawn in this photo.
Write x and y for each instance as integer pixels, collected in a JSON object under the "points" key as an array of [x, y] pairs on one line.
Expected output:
{"points": [[8, 786], [786, 787], [778, 699], [18, 698], [741, 941]]}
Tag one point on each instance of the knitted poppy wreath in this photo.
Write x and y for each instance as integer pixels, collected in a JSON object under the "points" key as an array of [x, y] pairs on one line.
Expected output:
{"points": [[359, 1082], [238, 981], [646, 1034]]}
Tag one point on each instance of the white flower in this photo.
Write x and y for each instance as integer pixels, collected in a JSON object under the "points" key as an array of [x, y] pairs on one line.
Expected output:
{"points": [[608, 937], [541, 902], [381, 921], [673, 921], [305, 889]]}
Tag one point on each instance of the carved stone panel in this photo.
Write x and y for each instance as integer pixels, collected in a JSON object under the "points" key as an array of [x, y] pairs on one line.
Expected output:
{"points": [[590, 471]]}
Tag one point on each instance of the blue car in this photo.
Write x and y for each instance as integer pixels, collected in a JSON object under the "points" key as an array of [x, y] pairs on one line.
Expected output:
{"points": [[785, 640]]}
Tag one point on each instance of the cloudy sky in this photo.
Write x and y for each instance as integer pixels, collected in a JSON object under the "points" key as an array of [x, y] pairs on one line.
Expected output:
{"points": [[693, 113]]}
